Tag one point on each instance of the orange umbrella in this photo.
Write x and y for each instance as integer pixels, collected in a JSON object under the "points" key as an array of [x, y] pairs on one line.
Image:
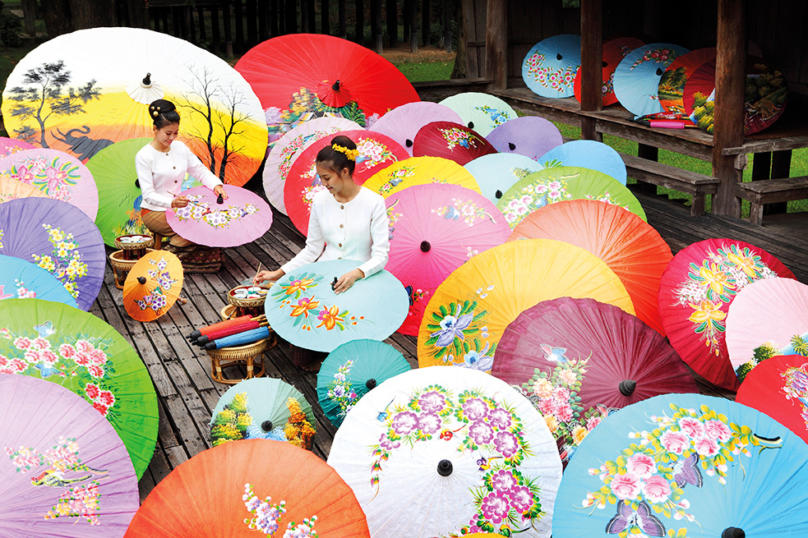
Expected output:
{"points": [[630, 247], [153, 285], [11, 189], [253, 485]]}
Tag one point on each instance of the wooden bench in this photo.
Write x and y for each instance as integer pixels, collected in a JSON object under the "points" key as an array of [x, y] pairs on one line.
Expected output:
{"points": [[770, 191]]}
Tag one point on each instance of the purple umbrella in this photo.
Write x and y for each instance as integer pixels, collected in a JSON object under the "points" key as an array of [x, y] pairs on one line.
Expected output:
{"points": [[530, 136], [65, 472], [403, 123], [59, 238]]}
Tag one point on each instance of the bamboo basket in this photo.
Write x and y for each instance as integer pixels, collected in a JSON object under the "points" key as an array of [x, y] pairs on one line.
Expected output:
{"points": [[252, 306], [121, 266], [134, 251]]}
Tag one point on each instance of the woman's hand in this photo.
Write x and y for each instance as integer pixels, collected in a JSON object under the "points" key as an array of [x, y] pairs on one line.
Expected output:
{"points": [[179, 201], [219, 190], [272, 276], [347, 280]]}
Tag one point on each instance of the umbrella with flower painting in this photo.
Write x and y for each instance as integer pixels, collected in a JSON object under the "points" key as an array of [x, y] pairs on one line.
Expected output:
{"points": [[60, 239], [152, 285], [65, 472], [403, 122], [577, 360], [479, 111], [496, 173], [80, 352], [250, 488], [420, 171], [12, 189], [376, 153], [549, 68], [450, 141], [587, 154], [530, 136], [685, 465], [695, 294], [455, 451], [20, 279], [636, 80], [10, 146], [613, 52]]}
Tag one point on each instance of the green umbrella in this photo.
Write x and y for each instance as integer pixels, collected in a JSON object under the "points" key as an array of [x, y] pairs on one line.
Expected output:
{"points": [[560, 183], [77, 350], [353, 369]]}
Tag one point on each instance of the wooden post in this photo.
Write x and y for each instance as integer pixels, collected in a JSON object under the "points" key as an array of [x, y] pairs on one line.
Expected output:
{"points": [[781, 168], [291, 16], [189, 23], [392, 23], [312, 16], [652, 154], [730, 80], [341, 14], [591, 64], [360, 22], [447, 25], [176, 23], [273, 17], [325, 16], [228, 30], [252, 24], [282, 17], [203, 32], [263, 20], [496, 43], [238, 13], [214, 28], [413, 5], [425, 22], [405, 18], [376, 24], [29, 12]]}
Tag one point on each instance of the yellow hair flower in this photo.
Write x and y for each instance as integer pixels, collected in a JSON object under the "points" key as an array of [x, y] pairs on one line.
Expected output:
{"points": [[352, 154]]}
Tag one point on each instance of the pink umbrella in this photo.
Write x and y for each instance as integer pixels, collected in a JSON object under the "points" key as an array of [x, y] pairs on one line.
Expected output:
{"points": [[56, 173], [65, 472], [9, 146], [450, 141], [241, 218], [403, 123], [434, 229]]}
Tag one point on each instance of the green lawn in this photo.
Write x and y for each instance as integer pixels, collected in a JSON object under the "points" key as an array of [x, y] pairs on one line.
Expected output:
{"points": [[420, 72]]}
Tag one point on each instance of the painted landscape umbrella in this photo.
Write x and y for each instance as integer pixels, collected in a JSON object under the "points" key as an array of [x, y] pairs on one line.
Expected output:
{"points": [[263, 408], [434, 229], [455, 451], [353, 369], [636, 80], [553, 185], [110, 75], [60, 239], [496, 173], [288, 148], [10, 146], [613, 53], [20, 279], [550, 66], [227, 491], [688, 464], [66, 473], [420, 171], [450, 141], [468, 313], [152, 285], [241, 218], [587, 154], [479, 111], [305, 311], [80, 352], [530, 136], [376, 153], [403, 123], [577, 360], [672, 83], [631, 247], [12, 189], [59, 175], [695, 295]]}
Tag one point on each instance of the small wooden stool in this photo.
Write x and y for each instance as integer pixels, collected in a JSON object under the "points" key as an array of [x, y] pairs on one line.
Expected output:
{"points": [[121, 267], [231, 356]]}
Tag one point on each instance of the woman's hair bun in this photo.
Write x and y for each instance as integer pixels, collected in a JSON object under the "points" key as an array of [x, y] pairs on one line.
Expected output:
{"points": [[166, 109]]}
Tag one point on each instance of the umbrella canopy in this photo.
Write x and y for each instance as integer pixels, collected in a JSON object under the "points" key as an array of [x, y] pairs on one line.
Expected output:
{"points": [[263, 408], [403, 123], [577, 359], [289, 147], [468, 313], [304, 310], [152, 285], [59, 175], [631, 247], [530, 136], [66, 446], [376, 153], [496, 173], [450, 141], [613, 53], [24, 280], [479, 111], [550, 66], [60, 239], [98, 84], [695, 294], [12, 189], [636, 80], [420, 171], [241, 218], [685, 465], [237, 489], [455, 452], [80, 352], [672, 83], [552, 185], [587, 154], [434, 229], [353, 369], [10, 146]]}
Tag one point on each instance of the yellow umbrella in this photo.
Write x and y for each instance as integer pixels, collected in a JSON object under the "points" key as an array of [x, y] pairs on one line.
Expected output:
{"points": [[468, 313], [11, 189], [420, 171]]}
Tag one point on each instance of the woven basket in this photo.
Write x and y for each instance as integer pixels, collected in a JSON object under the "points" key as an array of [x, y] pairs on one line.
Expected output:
{"points": [[252, 302], [121, 266], [134, 251], [232, 356]]}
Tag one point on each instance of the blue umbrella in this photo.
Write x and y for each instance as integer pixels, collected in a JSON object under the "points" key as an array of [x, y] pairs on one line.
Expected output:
{"points": [[636, 79], [587, 154], [550, 67], [496, 173], [240, 339], [531, 136], [685, 465], [20, 279]]}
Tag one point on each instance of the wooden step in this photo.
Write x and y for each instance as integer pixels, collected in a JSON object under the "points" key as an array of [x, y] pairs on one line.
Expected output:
{"points": [[770, 191]]}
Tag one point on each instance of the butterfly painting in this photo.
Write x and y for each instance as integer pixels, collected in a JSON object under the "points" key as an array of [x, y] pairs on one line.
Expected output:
{"points": [[409, 290], [554, 354], [45, 330], [451, 213], [686, 471], [627, 518]]}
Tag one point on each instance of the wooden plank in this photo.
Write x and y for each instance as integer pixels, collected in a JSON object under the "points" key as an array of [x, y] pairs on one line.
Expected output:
{"points": [[472, 67], [591, 64], [496, 43], [768, 145], [783, 186]]}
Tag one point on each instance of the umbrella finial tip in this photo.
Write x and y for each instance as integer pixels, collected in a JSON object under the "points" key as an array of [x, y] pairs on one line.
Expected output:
{"points": [[147, 80], [141, 279], [627, 387], [425, 246], [371, 384], [733, 532], [267, 426], [445, 467]]}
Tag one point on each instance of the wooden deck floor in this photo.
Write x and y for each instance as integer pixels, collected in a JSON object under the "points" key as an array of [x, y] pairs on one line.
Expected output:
{"points": [[181, 372]]}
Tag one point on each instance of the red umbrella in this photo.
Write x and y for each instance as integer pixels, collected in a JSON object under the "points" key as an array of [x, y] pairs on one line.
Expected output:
{"points": [[672, 83], [695, 294], [450, 141], [613, 51]]}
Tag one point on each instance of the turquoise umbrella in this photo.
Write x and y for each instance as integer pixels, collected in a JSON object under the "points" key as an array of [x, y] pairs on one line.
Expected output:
{"points": [[636, 79], [353, 369], [587, 154], [496, 173], [20, 279], [550, 67]]}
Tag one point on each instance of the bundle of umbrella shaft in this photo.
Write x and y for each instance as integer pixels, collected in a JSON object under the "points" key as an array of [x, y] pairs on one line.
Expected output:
{"points": [[232, 332]]}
